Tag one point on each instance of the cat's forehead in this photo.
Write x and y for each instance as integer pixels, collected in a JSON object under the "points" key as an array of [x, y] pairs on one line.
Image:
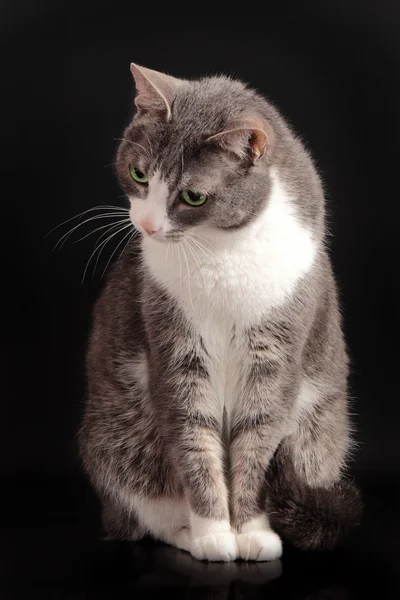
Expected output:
{"points": [[204, 107], [176, 147], [200, 109]]}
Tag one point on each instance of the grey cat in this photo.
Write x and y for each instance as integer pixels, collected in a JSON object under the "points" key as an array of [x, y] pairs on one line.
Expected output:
{"points": [[217, 413]]}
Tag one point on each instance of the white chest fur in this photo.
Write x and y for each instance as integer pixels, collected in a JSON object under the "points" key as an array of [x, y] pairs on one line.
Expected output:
{"points": [[237, 275], [225, 281]]}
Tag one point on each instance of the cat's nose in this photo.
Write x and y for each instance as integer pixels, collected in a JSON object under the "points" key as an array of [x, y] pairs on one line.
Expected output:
{"points": [[149, 226]]}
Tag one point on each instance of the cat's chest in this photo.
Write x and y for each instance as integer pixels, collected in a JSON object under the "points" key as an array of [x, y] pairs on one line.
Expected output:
{"points": [[238, 276], [224, 350], [238, 286]]}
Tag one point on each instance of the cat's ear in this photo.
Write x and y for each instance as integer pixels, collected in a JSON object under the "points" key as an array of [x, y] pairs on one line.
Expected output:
{"points": [[249, 136], [154, 91]]}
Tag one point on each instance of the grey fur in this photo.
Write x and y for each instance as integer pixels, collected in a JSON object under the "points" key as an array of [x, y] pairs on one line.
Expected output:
{"points": [[156, 439]]}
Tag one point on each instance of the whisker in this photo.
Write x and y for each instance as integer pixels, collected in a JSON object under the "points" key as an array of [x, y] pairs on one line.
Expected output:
{"points": [[134, 144], [177, 246], [105, 207], [105, 233], [133, 235], [110, 259], [102, 227], [201, 238], [206, 251], [188, 274], [102, 246], [197, 262], [150, 144], [166, 256], [65, 236], [97, 244]]}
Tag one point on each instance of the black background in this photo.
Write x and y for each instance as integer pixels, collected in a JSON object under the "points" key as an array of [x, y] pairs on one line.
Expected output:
{"points": [[333, 70]]}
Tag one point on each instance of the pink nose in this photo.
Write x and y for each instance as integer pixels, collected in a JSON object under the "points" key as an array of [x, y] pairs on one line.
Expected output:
{"points": [[149, 227]]}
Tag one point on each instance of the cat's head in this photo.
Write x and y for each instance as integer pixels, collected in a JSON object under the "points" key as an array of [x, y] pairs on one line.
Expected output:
{"points": [[195, 155]]}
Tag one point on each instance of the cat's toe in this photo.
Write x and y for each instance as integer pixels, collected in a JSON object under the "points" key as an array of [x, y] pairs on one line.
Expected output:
{"points": [[219, 546], [259, 545]]}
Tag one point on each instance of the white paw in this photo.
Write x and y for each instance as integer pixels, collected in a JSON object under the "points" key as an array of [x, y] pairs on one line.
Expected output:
{"points": [[219, 546], [182, 539], [259, 545]]}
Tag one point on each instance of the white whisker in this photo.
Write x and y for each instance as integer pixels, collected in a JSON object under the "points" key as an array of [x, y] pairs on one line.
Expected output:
{"points": [[150, 144], [147, 153], [188, 274], [66, 235], [133, 235], [180, 264], [111, 228], [105, 207], [196, 261], [203, 249], [102, 227], [98, 242], [118, 245], [102, 246], [200, 237]]}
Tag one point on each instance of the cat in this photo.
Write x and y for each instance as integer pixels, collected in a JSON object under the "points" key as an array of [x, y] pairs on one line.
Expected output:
{"points": [[217, 415]]}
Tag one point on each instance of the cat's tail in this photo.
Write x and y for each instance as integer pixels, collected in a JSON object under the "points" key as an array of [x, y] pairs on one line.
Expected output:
{"points": [[311, 518]]}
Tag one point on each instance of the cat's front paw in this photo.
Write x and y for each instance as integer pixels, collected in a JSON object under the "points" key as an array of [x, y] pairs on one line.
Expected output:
{"points": [[220, 546], [259, 545]]}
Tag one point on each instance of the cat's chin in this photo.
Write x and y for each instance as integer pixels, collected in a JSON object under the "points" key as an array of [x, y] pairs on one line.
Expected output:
{"points": [[160, 238]]}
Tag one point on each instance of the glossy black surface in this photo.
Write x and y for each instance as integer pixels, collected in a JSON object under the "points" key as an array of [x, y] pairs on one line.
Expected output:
{"points": [[50, 543], [332, 68]]}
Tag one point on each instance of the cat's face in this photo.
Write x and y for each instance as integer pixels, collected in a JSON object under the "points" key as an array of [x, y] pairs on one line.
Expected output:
{"points": [[194, 156]]}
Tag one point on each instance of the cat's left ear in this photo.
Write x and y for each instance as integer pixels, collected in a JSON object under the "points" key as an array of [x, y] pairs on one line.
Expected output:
{"points": [[249, 136], [155, 91]]}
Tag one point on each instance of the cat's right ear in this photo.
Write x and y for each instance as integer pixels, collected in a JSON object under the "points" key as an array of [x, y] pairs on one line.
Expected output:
{"points": [[250, 135], [154, 91]]}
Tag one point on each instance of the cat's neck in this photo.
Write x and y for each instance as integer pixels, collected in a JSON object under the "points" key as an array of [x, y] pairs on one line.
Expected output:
{"points": [[255, 268]]}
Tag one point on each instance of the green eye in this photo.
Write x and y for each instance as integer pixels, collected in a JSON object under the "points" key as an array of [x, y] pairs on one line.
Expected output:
{"points": [[192, 198], [137, 175]]}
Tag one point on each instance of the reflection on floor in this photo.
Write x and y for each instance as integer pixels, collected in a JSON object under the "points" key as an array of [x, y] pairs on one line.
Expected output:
{"points": [[49, 543]]}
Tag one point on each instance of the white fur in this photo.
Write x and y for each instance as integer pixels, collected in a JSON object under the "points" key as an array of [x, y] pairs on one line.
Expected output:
{"points": [[257, 541], [201, 526], [153, 209], [231, 280], [172, 521], [310, 394], [165, 518], [258, 523], [212, 540], [135, 371], [259, 545], [242, 274], [224, 282]]}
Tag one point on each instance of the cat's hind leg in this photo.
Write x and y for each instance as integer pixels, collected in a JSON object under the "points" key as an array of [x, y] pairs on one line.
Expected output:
{"points": [[309, 500], [120, 523], [163, 518]]}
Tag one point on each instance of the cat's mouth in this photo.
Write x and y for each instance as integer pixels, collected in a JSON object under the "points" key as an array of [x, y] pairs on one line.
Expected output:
{"points": [[174, 237], [164, 238]]}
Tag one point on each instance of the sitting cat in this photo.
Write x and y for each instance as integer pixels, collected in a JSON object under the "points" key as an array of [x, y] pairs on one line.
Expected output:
{"points": [[217, 411]]}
